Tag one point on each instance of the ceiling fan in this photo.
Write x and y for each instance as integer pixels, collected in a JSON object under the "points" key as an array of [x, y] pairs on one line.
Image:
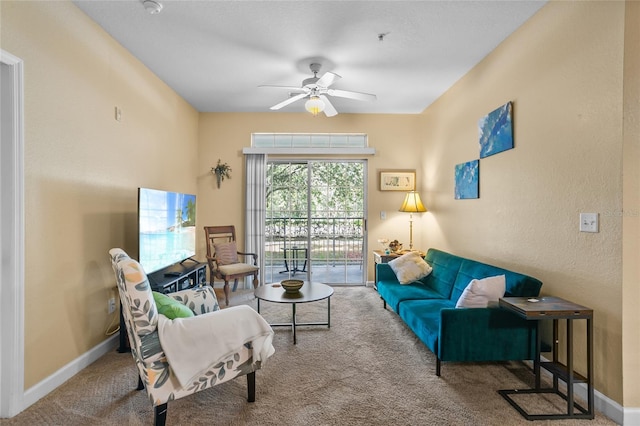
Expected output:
{"points": [[316, 88]]}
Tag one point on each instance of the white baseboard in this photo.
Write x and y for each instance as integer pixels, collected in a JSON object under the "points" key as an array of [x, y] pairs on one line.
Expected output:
{"points": [[631, 416], [43, 388], [608, 407]]}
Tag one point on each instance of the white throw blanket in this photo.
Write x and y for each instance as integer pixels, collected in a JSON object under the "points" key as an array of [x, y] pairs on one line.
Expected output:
{"points": [[193, 345]]}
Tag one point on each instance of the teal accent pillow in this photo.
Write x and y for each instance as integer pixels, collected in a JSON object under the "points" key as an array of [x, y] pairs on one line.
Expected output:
{"points": [[170, 307]]}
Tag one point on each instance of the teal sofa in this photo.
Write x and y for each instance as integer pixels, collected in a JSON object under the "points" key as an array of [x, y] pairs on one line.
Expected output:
{"points": [[460, 334]]}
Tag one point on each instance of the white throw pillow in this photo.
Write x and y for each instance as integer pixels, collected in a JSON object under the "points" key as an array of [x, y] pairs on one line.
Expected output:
{"points": [[482, 293], [410, 267]]}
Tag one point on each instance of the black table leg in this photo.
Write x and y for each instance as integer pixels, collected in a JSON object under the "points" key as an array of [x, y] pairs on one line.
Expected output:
{"points": [[293, 321], [536, 361], [570, 367]]}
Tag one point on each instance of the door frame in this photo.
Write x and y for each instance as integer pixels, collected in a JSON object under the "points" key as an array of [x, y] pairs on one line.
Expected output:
{"points": [[12, 237]]}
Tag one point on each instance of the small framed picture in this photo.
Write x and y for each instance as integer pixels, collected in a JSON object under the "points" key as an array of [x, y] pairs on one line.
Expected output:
{"points": [[398, 180]]}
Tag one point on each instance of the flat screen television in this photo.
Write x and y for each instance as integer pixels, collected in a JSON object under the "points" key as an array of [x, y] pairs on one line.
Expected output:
{"points": [[166, 228]]}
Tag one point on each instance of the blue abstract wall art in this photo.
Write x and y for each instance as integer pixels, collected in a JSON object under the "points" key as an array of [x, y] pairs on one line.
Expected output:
{"points": [[467, 177], [496, 131]]}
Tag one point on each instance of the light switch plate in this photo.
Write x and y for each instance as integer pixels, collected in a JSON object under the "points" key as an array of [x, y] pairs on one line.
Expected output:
{"points": [[383, 215], [588, 222]]}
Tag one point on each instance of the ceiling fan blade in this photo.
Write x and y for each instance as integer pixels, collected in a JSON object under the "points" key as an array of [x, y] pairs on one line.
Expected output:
{"points": [[352, 95], [329, 110], [288, 101], [289, 88], [328, 79]]}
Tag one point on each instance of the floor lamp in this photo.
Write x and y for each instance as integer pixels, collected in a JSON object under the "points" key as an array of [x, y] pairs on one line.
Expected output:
{"points": [[412, 204]]}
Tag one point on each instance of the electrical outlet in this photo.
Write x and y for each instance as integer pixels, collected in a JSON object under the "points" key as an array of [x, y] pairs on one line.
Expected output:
{"points": [[588, 222], [112, 305]]}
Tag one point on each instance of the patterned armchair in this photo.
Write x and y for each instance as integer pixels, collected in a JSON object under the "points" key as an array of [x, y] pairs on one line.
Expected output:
{"points": [[143, 323]]}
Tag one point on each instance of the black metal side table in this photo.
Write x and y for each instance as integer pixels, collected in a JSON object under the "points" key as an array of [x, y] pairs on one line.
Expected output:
{"points": [[555, 308]]}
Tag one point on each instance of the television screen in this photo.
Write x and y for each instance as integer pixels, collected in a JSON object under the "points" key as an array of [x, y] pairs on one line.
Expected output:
{"points": [[166, 228]]}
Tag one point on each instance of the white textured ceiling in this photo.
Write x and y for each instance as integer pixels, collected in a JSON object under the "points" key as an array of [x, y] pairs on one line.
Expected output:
{"points": [[216, 53]]}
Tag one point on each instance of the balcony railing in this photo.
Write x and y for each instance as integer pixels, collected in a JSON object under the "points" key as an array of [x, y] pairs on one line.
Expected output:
{"points": [[323, 242]]}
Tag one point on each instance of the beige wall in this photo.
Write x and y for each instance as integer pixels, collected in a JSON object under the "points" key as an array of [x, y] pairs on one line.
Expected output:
{"points": [[563, 70], [631, 209], [222, 136], [82, 170]]}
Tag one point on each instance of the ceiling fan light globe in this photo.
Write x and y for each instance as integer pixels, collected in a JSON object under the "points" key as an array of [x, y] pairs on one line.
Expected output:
{"points": [[314, 105]]}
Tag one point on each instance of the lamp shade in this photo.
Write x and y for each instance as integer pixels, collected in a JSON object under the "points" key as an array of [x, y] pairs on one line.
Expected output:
{"points": [[412, 203], [314, 105]]}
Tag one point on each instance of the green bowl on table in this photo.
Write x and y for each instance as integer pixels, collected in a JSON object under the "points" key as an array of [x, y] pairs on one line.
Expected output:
{"points": [[292, 286]]}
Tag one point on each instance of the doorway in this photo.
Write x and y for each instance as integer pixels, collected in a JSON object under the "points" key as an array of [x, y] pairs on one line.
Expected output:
{"points": [[315, 226]]}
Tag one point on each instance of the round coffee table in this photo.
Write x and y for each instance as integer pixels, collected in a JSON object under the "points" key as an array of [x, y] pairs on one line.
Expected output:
{"points": [[310, 292]]}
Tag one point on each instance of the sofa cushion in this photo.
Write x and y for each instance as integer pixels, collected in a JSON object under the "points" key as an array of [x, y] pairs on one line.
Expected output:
{"points": [[410, 267], [445, 269], [393, 292], [482, 293], [423, 318], [170, 307]]}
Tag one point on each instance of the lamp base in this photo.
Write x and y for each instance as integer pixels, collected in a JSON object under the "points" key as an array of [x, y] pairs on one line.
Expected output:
{"points": [[410, 231]]}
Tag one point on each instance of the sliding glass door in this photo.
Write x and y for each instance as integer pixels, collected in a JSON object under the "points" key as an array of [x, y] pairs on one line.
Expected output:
{"points": [[315, 221]]}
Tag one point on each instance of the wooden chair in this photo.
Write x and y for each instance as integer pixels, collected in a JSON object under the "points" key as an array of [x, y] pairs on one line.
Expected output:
{"points": [[224, 263]]}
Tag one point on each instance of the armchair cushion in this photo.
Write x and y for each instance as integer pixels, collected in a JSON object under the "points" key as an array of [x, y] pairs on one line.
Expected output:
{"points": [[237, 268], [200, 299], [170, 307], [226, 253]]}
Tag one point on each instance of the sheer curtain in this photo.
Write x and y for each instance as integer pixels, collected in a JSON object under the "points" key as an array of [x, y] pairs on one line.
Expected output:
{"points": [[256, 167]]}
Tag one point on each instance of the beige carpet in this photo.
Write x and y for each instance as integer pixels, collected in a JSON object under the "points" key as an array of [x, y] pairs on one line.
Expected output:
{"points": [[367, 369]]}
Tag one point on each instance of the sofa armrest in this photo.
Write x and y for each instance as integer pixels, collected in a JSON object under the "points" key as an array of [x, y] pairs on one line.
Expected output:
{"points": [[485, 334], [385, 273], [199, 299]]}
